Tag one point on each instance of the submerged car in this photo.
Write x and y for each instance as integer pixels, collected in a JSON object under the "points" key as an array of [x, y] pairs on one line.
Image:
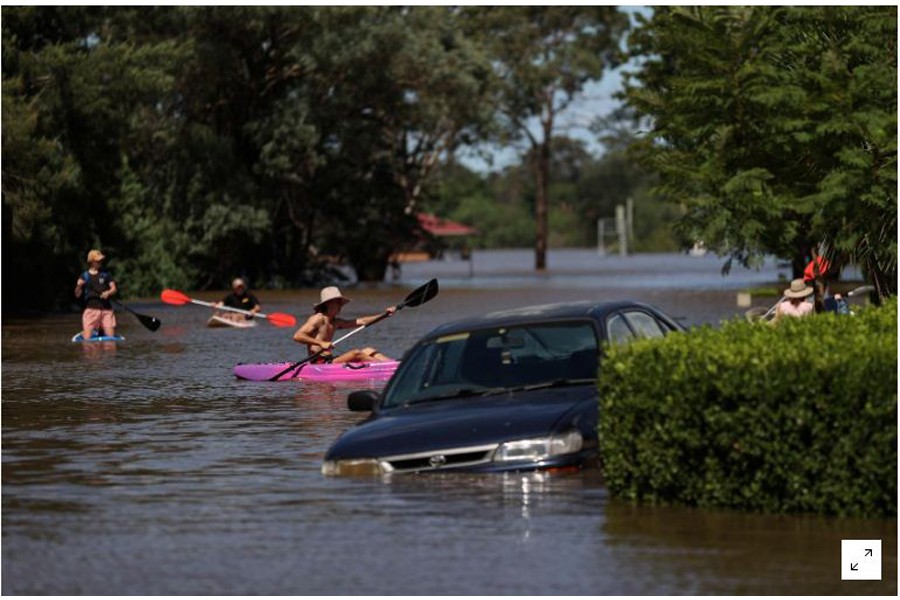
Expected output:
{"points": [[509, 391]]}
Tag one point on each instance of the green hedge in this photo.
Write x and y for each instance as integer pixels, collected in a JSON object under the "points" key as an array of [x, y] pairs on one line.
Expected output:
{"points": [[796, 417]]}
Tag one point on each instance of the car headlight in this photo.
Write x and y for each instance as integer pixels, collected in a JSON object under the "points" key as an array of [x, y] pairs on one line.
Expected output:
{"points": [[360, 467], [538, 449]]}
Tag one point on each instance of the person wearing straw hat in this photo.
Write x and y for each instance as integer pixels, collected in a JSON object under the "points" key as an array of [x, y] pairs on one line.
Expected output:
{"points": [[94, 287], [794, 303], [240, 298], [318, 331]]}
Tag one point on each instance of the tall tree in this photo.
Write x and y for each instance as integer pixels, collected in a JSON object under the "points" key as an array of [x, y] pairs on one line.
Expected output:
{"points": [[353, 143], [197, 143], [543, 58], [72, 90], [776, 128]]}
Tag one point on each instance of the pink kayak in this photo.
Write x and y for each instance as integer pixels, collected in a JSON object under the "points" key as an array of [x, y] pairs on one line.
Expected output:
{"points": [[374, 371]]}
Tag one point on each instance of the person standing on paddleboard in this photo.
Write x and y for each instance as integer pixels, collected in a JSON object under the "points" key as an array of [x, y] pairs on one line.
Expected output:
{"points": [[94, 287], [318, 331], [239, 298]]}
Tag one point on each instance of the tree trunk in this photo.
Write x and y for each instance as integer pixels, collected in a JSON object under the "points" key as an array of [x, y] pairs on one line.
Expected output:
{"points": [[542, 178], [800, 258]]}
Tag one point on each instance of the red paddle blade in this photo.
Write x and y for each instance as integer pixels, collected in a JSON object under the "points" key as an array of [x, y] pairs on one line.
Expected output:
{"points": [[174, 297], [281, 320]]}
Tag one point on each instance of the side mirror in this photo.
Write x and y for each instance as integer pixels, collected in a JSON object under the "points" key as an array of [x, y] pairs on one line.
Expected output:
{"points": [[362, 400]]}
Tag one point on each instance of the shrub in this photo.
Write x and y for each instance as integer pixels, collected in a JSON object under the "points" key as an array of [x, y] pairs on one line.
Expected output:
{"points": [[796, 417]]}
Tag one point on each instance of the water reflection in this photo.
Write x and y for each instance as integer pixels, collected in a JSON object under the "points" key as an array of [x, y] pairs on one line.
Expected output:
{"points": [[95, 351]]}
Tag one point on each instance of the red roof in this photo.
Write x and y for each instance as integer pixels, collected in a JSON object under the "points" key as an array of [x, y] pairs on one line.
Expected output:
{"points": [[443, 227]]}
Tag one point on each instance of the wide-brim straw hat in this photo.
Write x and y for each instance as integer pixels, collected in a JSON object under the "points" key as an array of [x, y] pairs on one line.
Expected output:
{"points": [[798, 289], [328, 294]]}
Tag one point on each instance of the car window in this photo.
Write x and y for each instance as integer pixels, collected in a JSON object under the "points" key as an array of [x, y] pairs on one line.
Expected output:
{"points": [[645, 325], [434, 367], [617, 329], [503, 357]]}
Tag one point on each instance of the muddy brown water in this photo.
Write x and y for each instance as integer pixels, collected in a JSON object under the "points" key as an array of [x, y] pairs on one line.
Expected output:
{"points": [[146, 468]]}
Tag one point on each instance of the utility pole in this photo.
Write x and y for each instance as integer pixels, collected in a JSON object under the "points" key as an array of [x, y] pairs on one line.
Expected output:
{"points": [[601, 237], [629, 219]]}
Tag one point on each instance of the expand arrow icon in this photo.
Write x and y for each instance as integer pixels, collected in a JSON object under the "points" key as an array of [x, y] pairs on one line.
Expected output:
{"points": [[868, 552], [853, 566]]}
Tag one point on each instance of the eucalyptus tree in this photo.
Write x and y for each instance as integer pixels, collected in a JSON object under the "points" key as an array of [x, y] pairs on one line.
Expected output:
{"points": [[73, 89], [387, 93], [775, 128], [543, 57], [243, 93]]}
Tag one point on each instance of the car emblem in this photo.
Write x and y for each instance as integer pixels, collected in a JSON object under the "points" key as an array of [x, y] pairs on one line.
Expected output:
{"points": [[437, 460]]}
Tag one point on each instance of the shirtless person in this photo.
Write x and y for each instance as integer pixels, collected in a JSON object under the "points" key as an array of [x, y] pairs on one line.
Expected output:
{"points": [[318, 331]]}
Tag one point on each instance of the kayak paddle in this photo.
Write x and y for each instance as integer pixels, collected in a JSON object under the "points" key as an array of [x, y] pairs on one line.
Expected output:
{"points": [[417, 297], [276, 319], [151, 323]]}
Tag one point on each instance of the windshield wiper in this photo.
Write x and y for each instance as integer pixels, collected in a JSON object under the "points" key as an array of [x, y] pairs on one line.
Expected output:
{"points": [[563, 382], [492, 391], [533, 386]]}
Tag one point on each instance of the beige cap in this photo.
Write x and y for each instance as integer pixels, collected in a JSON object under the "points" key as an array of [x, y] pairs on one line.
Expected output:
{"points": [[95, 255]]}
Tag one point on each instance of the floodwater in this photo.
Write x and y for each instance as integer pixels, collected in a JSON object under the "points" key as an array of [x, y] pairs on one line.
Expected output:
{"points": [[145, 468]]}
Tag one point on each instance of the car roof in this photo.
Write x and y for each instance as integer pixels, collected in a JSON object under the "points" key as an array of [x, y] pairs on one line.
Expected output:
{"points": [[544, 312]]}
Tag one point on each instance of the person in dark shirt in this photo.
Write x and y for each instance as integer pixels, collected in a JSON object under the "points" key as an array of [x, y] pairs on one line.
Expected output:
{"points": [[239, 298], [94, 287]]}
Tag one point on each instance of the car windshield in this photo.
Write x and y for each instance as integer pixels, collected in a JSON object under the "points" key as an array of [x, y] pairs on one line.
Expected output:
{"points": [[495, 360]]}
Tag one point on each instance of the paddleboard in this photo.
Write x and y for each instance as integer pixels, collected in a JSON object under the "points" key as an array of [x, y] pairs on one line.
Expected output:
{"points": [[242, 323], [374, 371], [96, 337]]}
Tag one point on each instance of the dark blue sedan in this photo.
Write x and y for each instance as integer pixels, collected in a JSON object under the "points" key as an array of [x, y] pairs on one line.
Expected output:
{"points": [[509, 391]]}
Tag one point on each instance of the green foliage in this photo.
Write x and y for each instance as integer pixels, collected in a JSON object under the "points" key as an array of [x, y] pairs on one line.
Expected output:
{"points": [[196, 143], [796, 417], [499, 225], [776, 128], [582, 188], [72, 107], [542, 58]]}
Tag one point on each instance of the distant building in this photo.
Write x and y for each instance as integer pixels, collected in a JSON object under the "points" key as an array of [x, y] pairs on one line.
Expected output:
{"points": [[440, 236]]}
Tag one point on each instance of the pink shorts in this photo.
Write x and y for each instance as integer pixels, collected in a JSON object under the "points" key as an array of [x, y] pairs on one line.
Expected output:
{"points": [[99, 318]]}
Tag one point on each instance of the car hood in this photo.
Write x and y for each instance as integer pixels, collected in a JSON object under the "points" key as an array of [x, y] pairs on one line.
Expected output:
{"points": [[471, 421]]}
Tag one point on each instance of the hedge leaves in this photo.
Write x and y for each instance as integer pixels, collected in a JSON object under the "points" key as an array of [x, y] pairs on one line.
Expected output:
{"points": [[797, 417]]}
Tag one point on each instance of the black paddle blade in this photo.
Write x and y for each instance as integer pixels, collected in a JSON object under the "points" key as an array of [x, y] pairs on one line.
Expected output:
{"points": [[151, 323], [421, 295]]}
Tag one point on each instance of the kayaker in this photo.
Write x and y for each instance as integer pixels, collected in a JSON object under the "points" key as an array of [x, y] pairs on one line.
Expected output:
{"points": [[94, 287], [240, 298], [318, 331]]}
